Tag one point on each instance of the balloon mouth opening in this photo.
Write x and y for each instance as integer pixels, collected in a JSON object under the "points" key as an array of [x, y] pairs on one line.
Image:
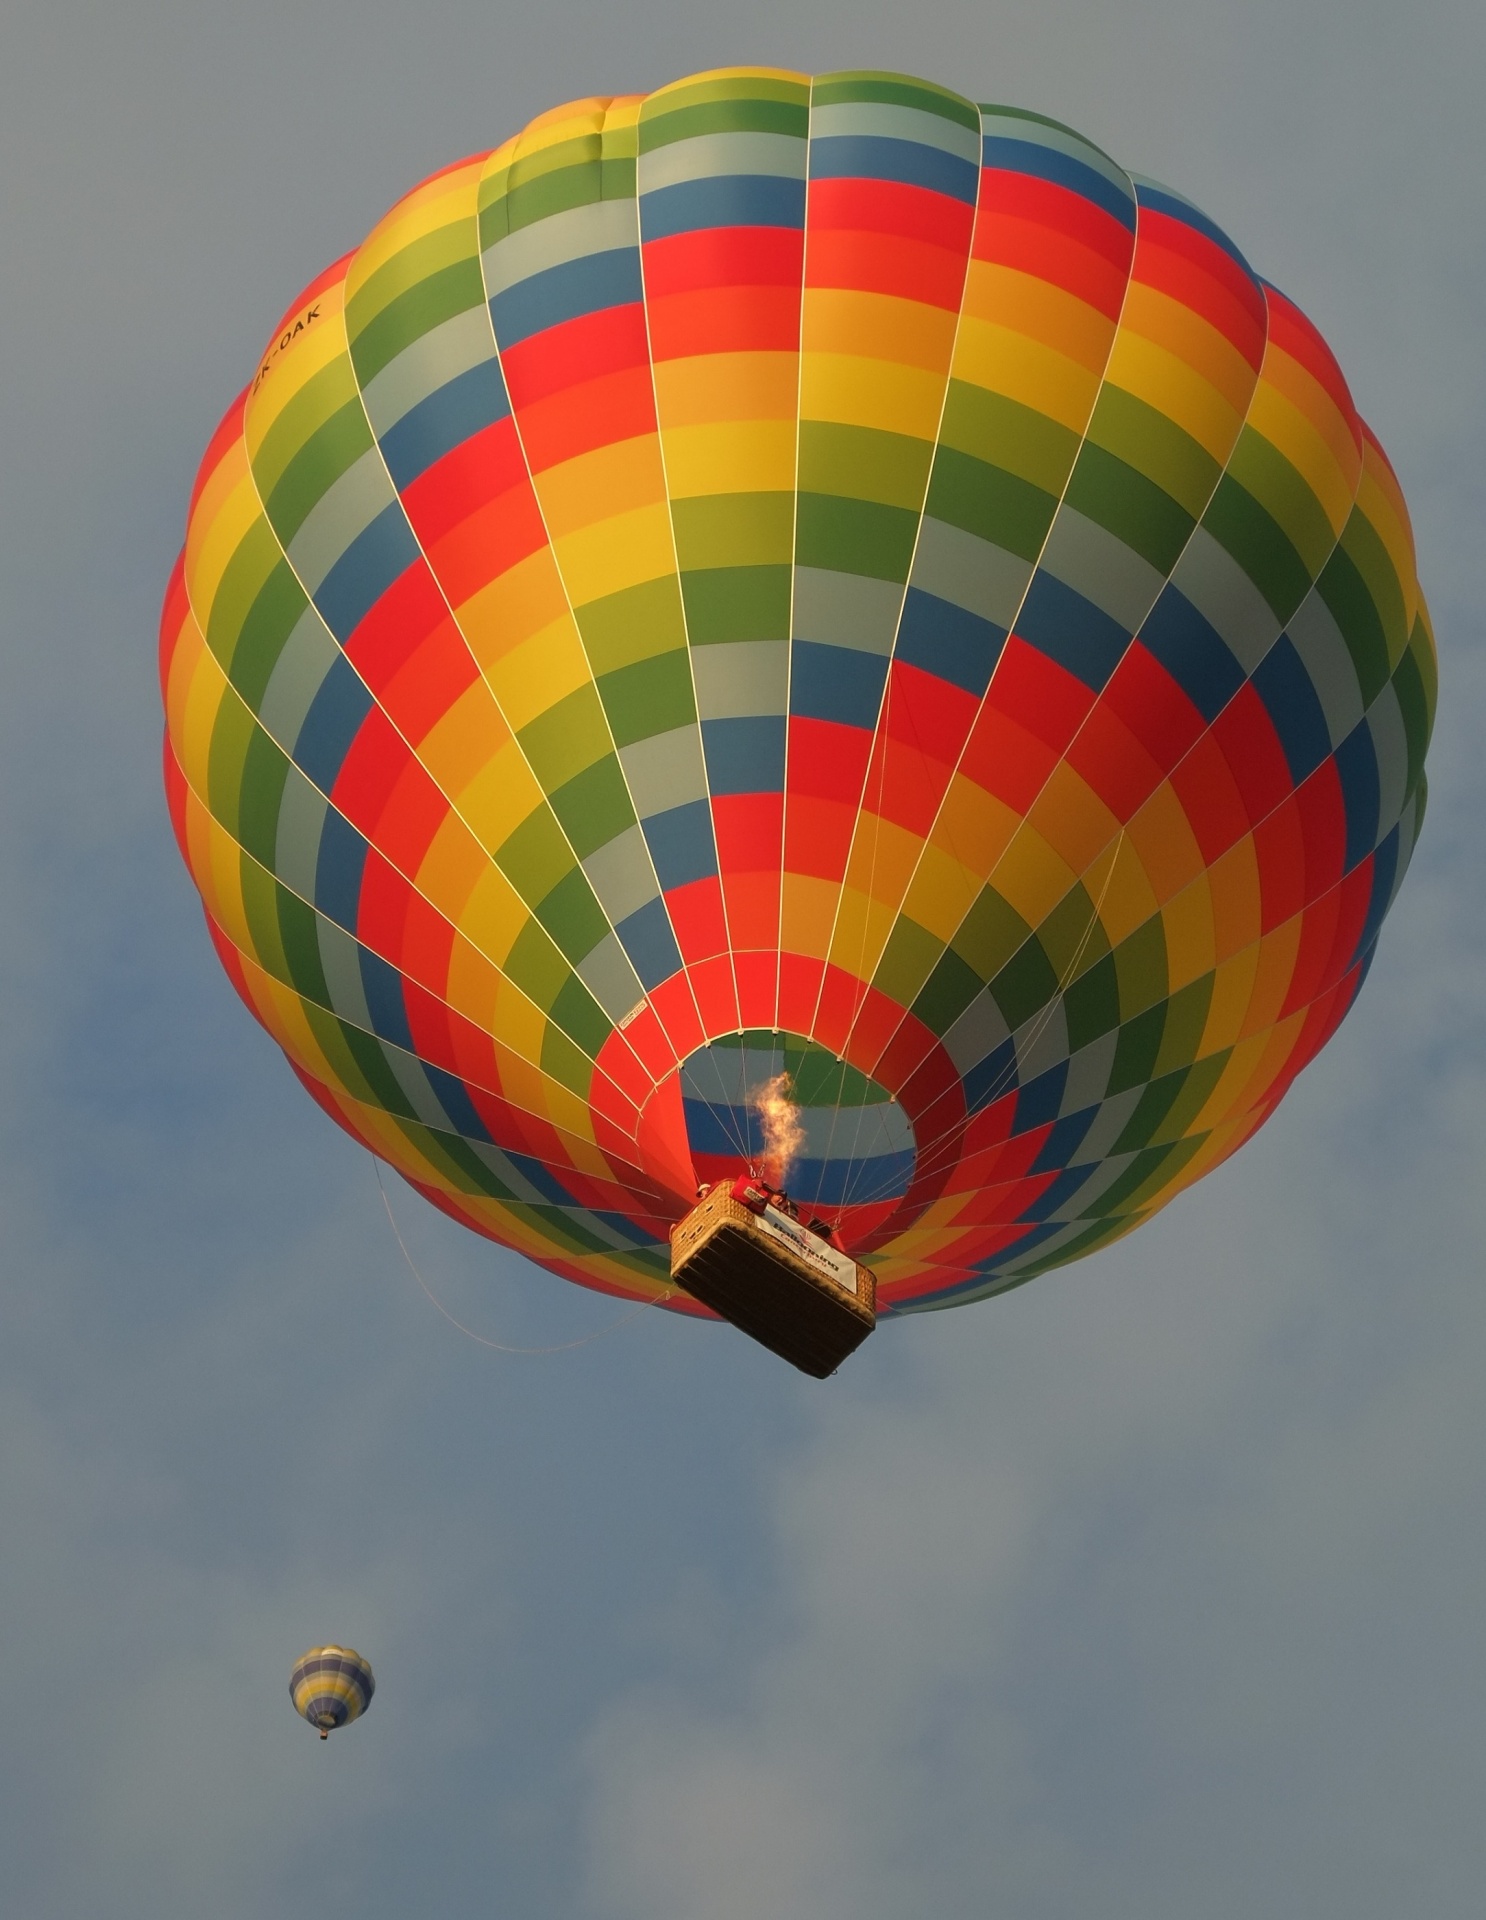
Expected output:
{"points": [[789, 1110]]}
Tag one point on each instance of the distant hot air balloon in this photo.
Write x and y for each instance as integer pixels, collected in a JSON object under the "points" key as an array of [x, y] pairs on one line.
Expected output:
{"points": [[331, 1687], [797, 577]]}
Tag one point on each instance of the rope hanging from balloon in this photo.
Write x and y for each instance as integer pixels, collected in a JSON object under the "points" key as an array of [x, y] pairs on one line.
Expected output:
{"points": [[499, 1346]]}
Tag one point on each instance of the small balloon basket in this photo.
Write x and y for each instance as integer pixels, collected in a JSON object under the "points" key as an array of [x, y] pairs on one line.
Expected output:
{"points": [[743, 1252]]}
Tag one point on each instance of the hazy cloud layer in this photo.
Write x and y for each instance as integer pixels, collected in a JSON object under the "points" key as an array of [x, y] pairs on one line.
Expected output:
{"points": [[1151, 1591]]}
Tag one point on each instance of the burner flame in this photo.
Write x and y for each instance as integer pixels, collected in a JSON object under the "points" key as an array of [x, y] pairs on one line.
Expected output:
{"points": [[779, 1118]]}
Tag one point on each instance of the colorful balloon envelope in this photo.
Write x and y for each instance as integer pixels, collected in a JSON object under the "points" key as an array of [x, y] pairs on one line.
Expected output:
{"points": [[330, 1687], [797, 576]]}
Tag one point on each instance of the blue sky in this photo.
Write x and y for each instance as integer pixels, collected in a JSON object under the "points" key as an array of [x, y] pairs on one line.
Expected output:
{"points": [[1151, 1590]]}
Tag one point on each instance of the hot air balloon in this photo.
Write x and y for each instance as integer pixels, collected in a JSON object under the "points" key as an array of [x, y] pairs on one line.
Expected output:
{"points": [[331, 1687], [810, 584]]}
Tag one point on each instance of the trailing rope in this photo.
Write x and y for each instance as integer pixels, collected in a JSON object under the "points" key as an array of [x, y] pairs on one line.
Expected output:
{"points": [[565, 1346]]}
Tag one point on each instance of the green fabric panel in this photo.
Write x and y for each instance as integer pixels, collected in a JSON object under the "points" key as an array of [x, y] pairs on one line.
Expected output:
{"points": [[314, 470], [573, 917], [635, 624], [907, 961], [1071, 935], [271, 619], [261, 911], [1025, 443], [994, 505], [1025, 985], [737, 603], [1421, 646], [233, 729], [1370, 557], [264, 771], [893, 90], [1260, 467], [536, 967], [557, 191], [565, 1063], [594, 806], [1143, 1168], [1092, 1004], [370, 1055], [1186, 1020], [1150, 1110], [734, 530], [1140, 962], [1350, 604], [563, 1229], [1196, 1091], [1136, 1050], [453, 289], [1255, 539], [318, 401], [345, 1066], [536, 856], [1153, 1172], [460, 1165], [1135, 432], [1408, 687], [1100, 1234], [946, 993], [301, 947], [243, 579], [662, 124], [855, 536], [653, 696], [990, 933], [863, 463], [413, 265], [1420, 802], [567, 738], [653, 1264], [1130, 506], [581, 1018]]}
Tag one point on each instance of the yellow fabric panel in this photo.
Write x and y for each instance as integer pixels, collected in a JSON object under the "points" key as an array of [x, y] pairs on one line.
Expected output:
{"points": [[808, 911], [1162, 835], [1187, 920], [1004, 297], [623, 550], [1005, 361], [580, 492], [879, 328], [544, 669], [1233, 989], [500, 796], [228, 508], [1117, 882], [494, 915], [1278, 952], [439, 202], [711, 387], [942, 892], [292, 367], [734, 456], [463, 741], [1167, 383], [1295, 414], [1233, 880], [1032, 876], [1071, 818]]}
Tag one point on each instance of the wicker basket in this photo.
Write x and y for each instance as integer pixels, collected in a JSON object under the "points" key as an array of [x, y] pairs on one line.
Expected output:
{"points": [[774, 1280]]}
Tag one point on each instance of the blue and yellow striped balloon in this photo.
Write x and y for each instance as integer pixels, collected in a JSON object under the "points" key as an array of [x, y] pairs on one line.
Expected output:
{"points": [[330, 1687]]}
